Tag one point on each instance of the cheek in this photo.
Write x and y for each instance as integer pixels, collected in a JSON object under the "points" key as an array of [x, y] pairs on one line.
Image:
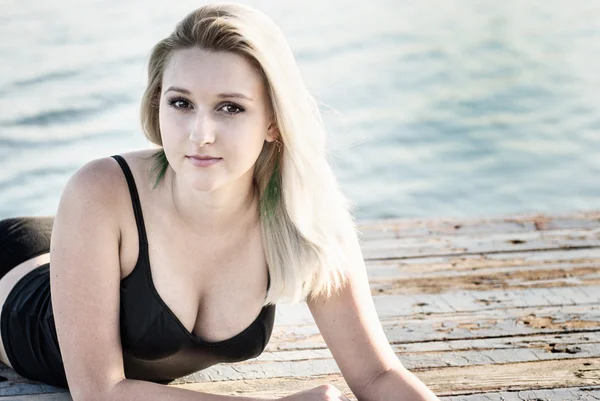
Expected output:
{"points": [[239, 143], [165, 120], [171, 126], [170, 133], [251, 145]]}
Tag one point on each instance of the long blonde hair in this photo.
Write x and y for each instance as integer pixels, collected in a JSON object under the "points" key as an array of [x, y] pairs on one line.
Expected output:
{"points": [[306, 221]]}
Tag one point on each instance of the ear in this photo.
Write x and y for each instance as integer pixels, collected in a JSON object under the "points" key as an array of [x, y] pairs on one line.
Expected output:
{"points": [[272, 132]]}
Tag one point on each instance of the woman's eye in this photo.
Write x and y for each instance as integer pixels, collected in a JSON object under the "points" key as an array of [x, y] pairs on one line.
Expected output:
{"points": [[231, 108], [179, 103]]}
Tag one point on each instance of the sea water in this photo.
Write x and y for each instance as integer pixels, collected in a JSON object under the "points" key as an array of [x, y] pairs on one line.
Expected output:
{"points": [[432, 108]]}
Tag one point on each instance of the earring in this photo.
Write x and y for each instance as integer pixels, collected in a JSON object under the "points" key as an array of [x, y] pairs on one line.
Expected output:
{"points": [[279, 145]]}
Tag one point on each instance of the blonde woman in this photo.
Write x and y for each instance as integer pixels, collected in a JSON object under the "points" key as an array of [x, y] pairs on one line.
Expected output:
{"points": [[166, 261]]}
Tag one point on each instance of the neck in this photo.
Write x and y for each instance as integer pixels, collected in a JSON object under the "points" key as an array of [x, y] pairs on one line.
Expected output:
{"points": [[220, 212]]}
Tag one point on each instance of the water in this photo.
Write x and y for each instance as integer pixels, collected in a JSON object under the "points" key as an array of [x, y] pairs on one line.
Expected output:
{"points": [[433, 108]]}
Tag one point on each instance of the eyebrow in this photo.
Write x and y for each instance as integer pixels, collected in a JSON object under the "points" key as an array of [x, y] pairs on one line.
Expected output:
{"points": [[220, 95]]}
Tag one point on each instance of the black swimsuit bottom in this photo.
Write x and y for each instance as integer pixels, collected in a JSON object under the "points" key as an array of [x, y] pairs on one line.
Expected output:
{"points": [[22, 238]]}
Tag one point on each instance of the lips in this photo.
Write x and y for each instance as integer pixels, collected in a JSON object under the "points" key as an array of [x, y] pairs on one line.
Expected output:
{"points": [[203, 161], [203, 157]]}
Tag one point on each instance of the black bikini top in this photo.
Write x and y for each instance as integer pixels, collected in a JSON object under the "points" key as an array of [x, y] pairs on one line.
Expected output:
{"points": [[156, 345]]}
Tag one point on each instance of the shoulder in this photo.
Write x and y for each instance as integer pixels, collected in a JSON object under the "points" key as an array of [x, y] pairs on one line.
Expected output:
{"points": [[101, 182], [94, 180], [103, 175], [98, 192]]}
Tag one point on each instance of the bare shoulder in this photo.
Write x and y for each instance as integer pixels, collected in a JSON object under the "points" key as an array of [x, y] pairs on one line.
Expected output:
{"points": [[93, 183], [100, 180], [99, 187]]}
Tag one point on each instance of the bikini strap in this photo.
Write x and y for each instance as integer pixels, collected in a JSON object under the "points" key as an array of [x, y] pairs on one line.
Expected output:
{"points": [[135, 199]]}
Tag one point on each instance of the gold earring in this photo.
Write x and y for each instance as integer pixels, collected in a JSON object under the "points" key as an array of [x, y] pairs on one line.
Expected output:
{"points": [[279, 145]]}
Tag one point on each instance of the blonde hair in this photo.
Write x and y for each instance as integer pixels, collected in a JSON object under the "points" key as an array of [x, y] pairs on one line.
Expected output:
{"points": [[306, 222]]}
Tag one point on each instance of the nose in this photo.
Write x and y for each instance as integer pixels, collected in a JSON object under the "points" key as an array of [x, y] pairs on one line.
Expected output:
{"points": [[202, 130]]}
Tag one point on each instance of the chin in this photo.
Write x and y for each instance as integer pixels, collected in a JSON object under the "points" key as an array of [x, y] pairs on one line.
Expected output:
{"points": [[200, 180], [204, 185]]}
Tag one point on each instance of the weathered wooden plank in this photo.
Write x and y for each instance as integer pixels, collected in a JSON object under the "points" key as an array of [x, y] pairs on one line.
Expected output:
{"points": [[395, 270], [393, 306], [517, 376], [506, 279], [591, 393], [459, 326], [407, 229], [443, 381], [551, 344], [35, 397], [411, 227], [16, 385], [481, 273], [499, 238], [490, 243], [443, 265], [466, 262]]}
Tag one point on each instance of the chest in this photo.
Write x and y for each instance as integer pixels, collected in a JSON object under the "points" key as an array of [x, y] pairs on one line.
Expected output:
{"points": [[214, 288]]}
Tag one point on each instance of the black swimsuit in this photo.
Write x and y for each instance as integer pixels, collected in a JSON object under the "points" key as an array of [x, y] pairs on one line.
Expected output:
{"points": [[156, 345]]}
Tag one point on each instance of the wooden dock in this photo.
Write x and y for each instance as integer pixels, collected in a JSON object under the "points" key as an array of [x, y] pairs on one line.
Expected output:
{"points": [[479, 309]]}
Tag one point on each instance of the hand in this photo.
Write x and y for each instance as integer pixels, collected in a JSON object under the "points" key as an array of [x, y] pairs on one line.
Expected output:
{"points": [[325, 392]]}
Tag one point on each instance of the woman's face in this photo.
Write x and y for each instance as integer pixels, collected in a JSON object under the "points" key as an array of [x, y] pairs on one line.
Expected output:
{"points": [[213, 104]]}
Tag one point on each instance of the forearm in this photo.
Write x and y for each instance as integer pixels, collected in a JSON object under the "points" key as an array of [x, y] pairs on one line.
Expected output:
{"points": [[135, 390], [399, 384]]}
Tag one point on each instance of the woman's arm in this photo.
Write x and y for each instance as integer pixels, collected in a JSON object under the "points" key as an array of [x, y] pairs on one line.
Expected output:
{"points": [[351, 328], [399, 384], [129, 389], [84, 280]]}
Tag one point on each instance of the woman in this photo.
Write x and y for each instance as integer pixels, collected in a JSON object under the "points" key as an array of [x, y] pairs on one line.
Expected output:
{"points": [[167, 261]]}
